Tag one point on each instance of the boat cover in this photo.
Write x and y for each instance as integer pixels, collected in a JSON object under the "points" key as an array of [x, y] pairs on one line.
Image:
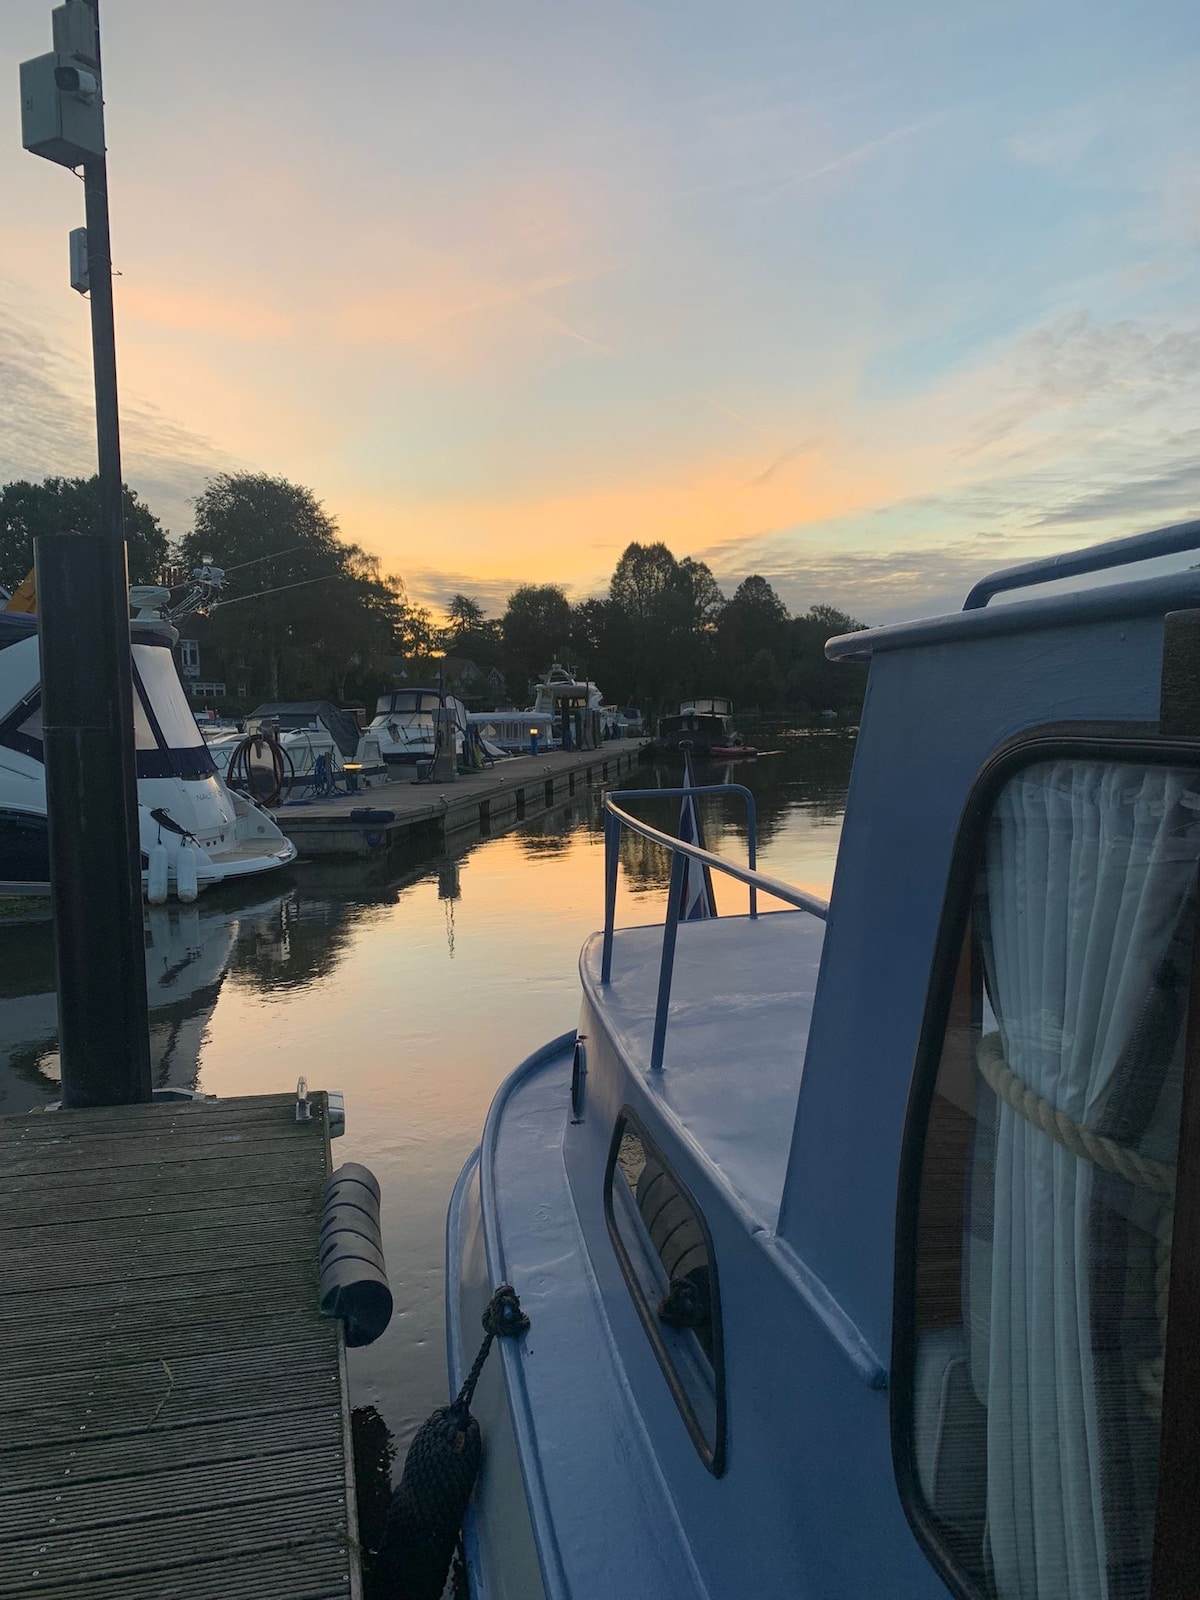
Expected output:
{"points": [[341, 724]]}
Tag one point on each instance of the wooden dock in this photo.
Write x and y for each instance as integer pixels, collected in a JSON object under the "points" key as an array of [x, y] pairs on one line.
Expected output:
{"points": [[175, 1412], [487, 801]]}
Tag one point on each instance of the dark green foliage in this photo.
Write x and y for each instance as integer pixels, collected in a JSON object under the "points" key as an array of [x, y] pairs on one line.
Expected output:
{"points": [[536, 629], [327, 623], [72, 505]]}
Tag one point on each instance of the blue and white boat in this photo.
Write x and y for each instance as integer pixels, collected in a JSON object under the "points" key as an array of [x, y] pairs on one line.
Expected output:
{"points": [[845, 1232]]}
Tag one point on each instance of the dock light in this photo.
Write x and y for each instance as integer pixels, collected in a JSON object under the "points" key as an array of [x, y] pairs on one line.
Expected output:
{"points": [[533, 741]]}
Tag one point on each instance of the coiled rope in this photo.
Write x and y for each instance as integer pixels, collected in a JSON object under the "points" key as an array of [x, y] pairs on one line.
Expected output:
{"points": [[1158, 1177], [423, 1532]]}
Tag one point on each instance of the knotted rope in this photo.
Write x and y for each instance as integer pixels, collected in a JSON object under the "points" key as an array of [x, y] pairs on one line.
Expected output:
{"points": [[427, 1509], [1158, 1177]]}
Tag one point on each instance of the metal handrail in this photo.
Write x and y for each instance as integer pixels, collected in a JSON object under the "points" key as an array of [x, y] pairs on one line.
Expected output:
{"points": [[1182, 536], [615, 819]]}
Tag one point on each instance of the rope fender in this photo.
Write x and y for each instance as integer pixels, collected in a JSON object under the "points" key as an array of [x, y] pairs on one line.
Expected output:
{"points": [[428, 1505]]}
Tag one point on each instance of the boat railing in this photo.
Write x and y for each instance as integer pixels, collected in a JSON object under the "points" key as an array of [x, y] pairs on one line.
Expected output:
{"points": [[1176, 540], [616, 818]]}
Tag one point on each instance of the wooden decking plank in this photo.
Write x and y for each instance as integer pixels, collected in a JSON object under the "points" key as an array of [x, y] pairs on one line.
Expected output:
{"points": [[188, 1176], [98, 1202], [104, 1122], [167, 1543], [141, 1499], [142, 1451], [87, 1299], [277, 1574], [116, 1343], [71, 1158], [173, 1390]]}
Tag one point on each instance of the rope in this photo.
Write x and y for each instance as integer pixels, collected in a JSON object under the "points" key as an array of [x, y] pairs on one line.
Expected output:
{"points": [[423, 1535], [1158, 1177], [1076, 1137]]}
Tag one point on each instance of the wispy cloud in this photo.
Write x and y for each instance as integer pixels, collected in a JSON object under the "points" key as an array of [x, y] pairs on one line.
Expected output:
{"points": [[47, 419], [850, 160]]}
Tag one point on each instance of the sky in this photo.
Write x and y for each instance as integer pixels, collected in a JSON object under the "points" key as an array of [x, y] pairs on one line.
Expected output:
{"points": [[867, 298]]}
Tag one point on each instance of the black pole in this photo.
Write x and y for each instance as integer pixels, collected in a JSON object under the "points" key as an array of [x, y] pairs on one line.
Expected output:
{"points": [[95, 871], [87, 717]]}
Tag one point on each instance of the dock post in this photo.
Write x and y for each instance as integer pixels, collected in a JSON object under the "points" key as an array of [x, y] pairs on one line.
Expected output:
{"points": [[91, 805]]}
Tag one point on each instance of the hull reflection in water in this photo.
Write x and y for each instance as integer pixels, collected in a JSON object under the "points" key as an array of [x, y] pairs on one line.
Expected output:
{"points": [[189, 952]]}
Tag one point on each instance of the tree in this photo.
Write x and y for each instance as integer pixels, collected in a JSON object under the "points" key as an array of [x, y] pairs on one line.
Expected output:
{"points": [[72, 505], [302, 609], [465, 615], [667, 609], [536, 628]]}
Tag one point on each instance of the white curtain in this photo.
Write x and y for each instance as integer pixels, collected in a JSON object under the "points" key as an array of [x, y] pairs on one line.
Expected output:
{"points": [[1087, 873]]}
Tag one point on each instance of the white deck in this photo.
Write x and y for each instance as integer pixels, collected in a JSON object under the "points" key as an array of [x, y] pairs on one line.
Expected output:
{"points": [[741, 1003]]}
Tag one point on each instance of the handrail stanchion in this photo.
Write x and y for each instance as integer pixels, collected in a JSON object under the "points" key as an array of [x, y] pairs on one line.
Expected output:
{"points": [[681, 853], [667, 966], [612, 855]]}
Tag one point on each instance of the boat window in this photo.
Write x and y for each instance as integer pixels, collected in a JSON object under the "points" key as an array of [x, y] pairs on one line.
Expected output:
{"points": [[665, 1252], [156, 669], [21, 730], [1034, 1285], [143, 734]]}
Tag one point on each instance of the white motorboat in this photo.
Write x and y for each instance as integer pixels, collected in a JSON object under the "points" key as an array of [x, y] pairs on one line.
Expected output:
{"points": [[513, 732], [404, 729], [574, 705], [195, 832]]}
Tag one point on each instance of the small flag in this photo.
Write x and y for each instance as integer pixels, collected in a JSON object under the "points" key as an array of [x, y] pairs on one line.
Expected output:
{"points": [[698, 899]]}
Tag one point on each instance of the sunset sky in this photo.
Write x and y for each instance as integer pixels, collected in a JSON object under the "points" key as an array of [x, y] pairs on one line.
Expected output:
{"points": [[865, 297]]}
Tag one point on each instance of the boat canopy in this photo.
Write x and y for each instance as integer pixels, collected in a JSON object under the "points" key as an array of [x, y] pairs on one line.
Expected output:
{"points": [[707, 706], [412, 702], [301, 714]]}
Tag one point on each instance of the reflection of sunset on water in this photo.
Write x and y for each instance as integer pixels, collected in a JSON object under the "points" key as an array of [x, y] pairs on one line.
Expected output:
{"points": [[414, 985]]}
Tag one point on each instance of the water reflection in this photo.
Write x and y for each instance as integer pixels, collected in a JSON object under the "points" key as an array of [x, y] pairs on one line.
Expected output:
{"points": [[414, 984]]}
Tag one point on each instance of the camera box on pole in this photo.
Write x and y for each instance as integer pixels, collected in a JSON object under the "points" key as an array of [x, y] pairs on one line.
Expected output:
{"points": [[62, 115]]}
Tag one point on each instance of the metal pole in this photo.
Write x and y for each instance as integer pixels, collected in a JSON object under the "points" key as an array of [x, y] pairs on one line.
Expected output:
{"points": [[91, 780]]}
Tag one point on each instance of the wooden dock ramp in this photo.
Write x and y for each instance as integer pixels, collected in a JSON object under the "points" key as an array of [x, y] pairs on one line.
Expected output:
{"points": [[175, 1411]]}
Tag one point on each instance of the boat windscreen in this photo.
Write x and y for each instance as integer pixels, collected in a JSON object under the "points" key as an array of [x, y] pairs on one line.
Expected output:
{"points": [[156, 669], [407, 702]]}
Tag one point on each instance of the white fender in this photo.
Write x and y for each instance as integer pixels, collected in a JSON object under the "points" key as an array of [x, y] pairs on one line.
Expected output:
{"points": [[186, 886], [156, 875]]}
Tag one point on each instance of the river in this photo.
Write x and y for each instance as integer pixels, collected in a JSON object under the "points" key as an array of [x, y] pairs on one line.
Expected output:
{"points": [[414, 985]]}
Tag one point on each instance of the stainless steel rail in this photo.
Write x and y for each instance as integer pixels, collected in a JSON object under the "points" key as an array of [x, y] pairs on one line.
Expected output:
{"points": [[681, 853]]}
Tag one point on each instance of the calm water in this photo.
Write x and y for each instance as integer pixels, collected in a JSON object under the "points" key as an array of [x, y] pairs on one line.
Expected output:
{"points": [[414, 986]]}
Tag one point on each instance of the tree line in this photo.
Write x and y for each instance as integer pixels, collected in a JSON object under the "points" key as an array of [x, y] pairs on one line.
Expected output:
{"points": [[306, 614]]}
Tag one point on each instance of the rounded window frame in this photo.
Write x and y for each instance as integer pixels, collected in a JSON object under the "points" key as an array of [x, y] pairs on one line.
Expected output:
{"points": [[1125, 741]]}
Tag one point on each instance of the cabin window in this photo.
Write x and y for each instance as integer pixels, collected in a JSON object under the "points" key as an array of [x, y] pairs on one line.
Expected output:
{"points": [[665, 1252], [1030, 1355], [22, 728]]}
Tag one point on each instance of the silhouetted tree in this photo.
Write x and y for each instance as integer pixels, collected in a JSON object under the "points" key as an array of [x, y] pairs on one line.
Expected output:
{"points": [[72, 505], [536, 628], [302, 609]]}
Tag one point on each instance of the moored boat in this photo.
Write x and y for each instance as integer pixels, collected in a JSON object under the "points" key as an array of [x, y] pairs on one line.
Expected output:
{"points": [[195, 831], [845, 1232], [704, 725], [407, 726]]}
